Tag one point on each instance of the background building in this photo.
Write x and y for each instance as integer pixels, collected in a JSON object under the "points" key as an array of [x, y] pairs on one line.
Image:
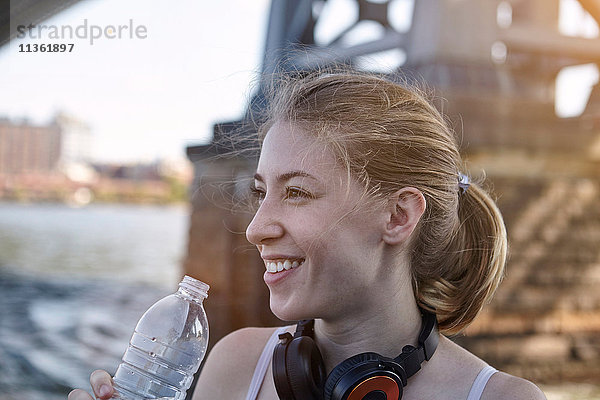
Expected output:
{"points": [[27, 148], [76, 143]]}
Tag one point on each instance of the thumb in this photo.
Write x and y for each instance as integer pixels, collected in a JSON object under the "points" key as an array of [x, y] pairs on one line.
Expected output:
{"points": [[102, 384]]}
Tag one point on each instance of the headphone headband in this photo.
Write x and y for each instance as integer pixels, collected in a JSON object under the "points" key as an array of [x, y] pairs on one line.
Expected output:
{"points": [[412, 357], [305, 327], [429, 338]]}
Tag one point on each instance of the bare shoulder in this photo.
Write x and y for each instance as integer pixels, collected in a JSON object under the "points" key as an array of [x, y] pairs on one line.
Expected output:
{"points": [[508, 387], [235, 355], [457, 369]]}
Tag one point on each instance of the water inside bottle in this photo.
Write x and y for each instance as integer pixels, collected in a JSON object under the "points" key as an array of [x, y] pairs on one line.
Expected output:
{"points": [[163, 371]]}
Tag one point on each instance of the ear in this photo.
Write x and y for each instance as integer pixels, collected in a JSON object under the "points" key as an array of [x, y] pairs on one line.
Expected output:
{"points": [[405, 208]]}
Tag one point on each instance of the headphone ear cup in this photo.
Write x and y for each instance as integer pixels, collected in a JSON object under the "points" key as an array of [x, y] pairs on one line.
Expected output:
{"points": [[341, 369], [355, 371], [280, 377], [305, 369]]}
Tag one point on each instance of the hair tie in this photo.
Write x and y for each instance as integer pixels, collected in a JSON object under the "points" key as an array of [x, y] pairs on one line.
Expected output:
{"points": [[463, 183]]}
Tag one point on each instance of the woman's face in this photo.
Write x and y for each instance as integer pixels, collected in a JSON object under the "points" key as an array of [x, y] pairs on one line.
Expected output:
{"points": [[315, 226]]}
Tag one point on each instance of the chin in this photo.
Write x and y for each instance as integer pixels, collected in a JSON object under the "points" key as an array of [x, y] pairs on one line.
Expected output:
{"points": [[285, 311]]}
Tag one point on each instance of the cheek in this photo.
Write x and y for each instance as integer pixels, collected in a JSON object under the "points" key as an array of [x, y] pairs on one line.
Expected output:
{"points": [[357, 246], [341, 249], [332, 234]]}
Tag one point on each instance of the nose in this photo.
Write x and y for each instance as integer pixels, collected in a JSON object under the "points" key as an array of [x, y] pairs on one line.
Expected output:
{"points": [[265, 225]]}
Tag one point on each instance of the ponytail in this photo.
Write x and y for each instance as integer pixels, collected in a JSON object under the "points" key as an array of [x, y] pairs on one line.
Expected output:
{"points": [[470, 269]]}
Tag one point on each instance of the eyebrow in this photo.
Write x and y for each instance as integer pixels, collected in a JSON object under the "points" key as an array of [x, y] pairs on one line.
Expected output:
{"points": [[287, 176]]}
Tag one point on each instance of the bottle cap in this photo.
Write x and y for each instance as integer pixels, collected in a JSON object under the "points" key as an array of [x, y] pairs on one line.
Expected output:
{"points": [[195, 286]]}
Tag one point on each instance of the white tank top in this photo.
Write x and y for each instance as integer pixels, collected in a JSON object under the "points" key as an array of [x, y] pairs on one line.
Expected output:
{"points": [[263, 364], [265, 358]]}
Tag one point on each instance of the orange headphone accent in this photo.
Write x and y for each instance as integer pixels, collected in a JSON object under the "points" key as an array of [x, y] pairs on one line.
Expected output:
{"points": [[383, 384]]}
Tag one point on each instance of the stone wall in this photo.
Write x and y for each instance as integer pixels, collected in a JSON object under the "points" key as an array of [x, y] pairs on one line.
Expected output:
{"points": [[544, 322]]}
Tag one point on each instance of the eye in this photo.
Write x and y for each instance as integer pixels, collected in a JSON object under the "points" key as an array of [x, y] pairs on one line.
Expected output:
{"points": [[293, 192], [257, 194]]}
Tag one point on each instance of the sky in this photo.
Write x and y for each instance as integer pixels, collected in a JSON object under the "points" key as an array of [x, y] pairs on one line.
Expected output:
{"points": [[149, 97], [142, 98]]}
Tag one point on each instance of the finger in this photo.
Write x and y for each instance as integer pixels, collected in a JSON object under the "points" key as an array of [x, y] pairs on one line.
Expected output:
{"points": [[101, 384], [79, 394]]}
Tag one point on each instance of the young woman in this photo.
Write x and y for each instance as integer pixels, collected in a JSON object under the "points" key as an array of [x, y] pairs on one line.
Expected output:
{"points": [[368, 229]]}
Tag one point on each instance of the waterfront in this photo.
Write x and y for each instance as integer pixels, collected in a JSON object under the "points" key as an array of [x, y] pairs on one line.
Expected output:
{"points": [[123, 243], [74, 281]]}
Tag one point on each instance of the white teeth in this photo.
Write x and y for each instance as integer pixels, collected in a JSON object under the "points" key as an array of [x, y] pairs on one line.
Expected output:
{"points": [[279, 266]]}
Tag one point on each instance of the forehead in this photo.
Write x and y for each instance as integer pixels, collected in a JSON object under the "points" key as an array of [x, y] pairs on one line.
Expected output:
{"points": [[290, 147]]}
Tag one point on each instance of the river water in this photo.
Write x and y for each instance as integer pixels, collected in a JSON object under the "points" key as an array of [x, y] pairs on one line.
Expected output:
{"points": [[73, 283]]}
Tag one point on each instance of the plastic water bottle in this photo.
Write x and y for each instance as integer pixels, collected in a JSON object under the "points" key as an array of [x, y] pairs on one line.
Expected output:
{"points": [[167, 347]]}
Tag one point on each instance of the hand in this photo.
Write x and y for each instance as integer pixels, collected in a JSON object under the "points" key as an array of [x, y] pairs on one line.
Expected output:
{"points": [[101, 385]]}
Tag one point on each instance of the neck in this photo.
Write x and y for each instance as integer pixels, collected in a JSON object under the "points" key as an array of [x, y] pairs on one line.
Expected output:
{"points": [[384, 332], [383, 322]]}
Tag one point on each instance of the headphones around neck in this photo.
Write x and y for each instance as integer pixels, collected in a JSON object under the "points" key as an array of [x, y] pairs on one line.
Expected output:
{"points": [[299, 372]]}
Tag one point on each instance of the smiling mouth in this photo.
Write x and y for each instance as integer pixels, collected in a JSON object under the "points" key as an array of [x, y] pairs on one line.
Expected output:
{"points": [[283, 265]]}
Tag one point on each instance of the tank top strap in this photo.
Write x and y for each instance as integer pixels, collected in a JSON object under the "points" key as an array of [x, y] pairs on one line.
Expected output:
{"points": [[479, 384], [263, 364]]}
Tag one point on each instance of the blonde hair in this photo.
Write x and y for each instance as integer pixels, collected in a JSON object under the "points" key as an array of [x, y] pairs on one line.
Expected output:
{"points": [[390, 136]]}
